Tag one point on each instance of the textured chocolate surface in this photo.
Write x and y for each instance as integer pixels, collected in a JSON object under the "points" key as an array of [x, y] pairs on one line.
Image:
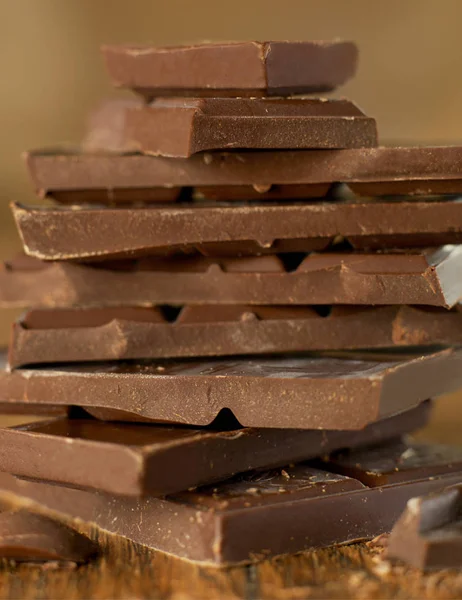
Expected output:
{"points": [[157, 460], [346, 391], [423, 277], [29, 537], [180, 127], [73, 335], [252, 516], [232, 68], [428, 535], [92, 233], [70, 176]]}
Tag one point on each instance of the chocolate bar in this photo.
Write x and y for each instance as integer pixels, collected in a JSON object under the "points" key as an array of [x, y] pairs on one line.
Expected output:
{"points": [[72, 177], [345, 391], [103, 233], [29, 537], [103, 334], [180, 127], [255, 515], [424, 277], [428, 535], [158, 460], [232, 68]]}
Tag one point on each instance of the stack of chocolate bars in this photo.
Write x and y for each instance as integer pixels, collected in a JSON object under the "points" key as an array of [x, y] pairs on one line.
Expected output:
{"points": [[237, 307]]}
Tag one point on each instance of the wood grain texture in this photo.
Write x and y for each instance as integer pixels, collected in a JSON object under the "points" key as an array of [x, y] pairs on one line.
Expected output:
{"points": [[126, 570]]}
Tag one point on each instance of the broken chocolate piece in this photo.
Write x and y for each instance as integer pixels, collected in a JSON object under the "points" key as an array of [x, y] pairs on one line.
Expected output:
{"points": [[428, 535], [91, 233], [70, 176], [386, 465], [103, 334], [180, 127], [421, 277], [347, 391], [135, 459], [29, 537], [232, 68], [252, 516]]}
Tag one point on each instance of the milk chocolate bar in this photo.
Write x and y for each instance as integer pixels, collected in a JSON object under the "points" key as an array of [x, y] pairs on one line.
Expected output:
{"points": [[345, 391], [425, 277], [428, 535], [180, 127], [103, 233], [103, 334], [232, 68], [29, 537], [75, 177], [136, 459], [255, 515]]}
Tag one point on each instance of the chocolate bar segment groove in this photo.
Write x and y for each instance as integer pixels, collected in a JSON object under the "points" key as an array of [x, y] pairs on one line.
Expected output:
{"points": [[91, 233], [71, 176], [250, 517], [424, 277], [157, 460], [345, 392], [236, 68], [54, 336]]}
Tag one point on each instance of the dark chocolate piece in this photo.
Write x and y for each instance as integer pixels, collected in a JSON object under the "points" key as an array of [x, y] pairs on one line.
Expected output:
{"points": [[250, 517], [382, 465], [70, 176], [157, 460], [29, 537], [232, 68], [428, 535], [103, 334], [347, 391], [91, 233], [423, 277], [180, 127]]}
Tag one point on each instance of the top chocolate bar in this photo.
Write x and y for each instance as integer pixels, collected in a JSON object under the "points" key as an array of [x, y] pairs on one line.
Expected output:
{"points": [[232, 69]]}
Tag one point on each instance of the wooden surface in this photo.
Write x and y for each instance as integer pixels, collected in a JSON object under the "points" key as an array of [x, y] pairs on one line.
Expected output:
{"points": [[125, 570]]}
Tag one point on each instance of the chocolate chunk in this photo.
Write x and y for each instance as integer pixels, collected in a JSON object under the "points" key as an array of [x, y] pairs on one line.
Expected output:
{"points": [[423, 277], [29, 537], [347, 391], [232, 69], [386, 465], [428, 535], [70, 176], [102, 334], [92, 233], [180, 127], [255, 515], [157, 460]]}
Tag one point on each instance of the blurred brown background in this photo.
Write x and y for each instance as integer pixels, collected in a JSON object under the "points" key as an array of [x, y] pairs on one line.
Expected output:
{"points": [[410, 74]]}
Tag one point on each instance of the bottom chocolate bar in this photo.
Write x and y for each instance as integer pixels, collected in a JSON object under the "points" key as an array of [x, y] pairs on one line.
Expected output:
{"points": [[154, 459], [261, 513]]}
